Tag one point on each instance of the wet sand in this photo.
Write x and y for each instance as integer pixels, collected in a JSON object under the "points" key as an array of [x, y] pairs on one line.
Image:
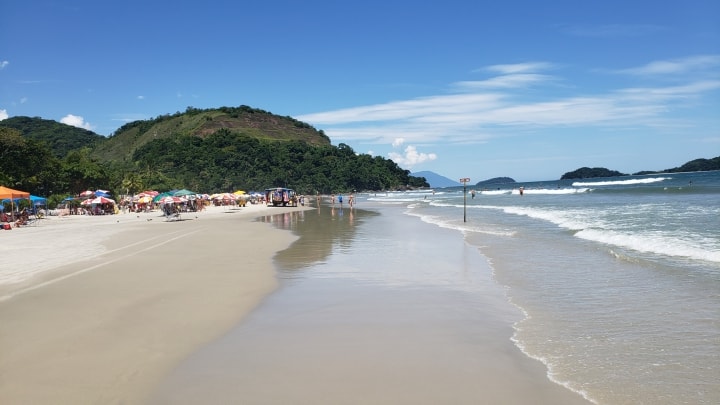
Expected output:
{"points": [[117, 301], [372, 309]]}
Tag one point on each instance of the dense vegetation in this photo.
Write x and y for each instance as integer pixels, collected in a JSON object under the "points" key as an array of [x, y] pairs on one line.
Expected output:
{"points": [[225, 161], [495, 181], [588, 173], [201, 123], [60, 138], [203, 150], [697, 165]]}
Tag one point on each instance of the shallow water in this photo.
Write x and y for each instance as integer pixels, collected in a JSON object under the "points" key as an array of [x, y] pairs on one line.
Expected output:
{"points": [[374, 307], [619, 280]]}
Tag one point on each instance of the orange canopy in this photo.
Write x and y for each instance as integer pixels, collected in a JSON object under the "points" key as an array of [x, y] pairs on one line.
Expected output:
{"points": [[10, 193]]}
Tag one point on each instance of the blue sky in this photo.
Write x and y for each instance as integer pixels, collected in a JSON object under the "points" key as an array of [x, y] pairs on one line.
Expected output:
{"points": [[524, 89]]}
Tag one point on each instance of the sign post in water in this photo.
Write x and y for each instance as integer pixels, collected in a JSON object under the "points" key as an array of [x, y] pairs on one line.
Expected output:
{"points": [[464, 181]]}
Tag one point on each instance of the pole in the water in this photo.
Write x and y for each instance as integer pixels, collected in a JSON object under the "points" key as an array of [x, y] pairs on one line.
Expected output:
{"points": [[464, 181]]}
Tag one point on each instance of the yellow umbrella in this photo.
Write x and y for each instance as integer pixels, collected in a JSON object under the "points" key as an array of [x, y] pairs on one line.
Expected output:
{"points": [[239, 192]]}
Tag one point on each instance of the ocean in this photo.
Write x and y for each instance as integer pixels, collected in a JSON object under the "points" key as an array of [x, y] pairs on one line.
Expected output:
{"points": [[618, 278]]}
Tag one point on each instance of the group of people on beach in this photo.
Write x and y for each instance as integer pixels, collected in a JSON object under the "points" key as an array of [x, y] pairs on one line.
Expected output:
{"points": [[18, 219], [351, 199]]}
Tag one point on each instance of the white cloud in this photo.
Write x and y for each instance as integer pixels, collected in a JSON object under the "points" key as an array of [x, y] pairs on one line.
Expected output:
{"points": [[506, 81], [398, 142], [411, 157], [3, 64], [519, 67], [494, 107], [3, 115], [675, 66], [76, 121]]}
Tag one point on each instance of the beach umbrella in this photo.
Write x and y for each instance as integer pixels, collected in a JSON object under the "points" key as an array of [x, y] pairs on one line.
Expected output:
{"points": [[102, 200], [171, 200], [183, 192], [148, 193], [160, 196], [86, 202], [144, 199], [87, 193]]}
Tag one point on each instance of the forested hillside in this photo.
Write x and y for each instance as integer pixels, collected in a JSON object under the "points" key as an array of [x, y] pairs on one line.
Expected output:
{"points": [[60, 138], [195, 122], [207, 151]]}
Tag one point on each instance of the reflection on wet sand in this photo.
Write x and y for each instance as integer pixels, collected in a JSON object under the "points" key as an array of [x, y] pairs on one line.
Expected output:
{"points": [[331, 228]]}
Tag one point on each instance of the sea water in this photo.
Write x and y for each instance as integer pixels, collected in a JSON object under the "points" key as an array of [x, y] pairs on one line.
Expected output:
{"points": [[618, 278]]}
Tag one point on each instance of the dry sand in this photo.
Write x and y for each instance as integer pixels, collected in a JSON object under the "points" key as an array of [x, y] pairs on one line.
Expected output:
{"points": [[116, 301]]}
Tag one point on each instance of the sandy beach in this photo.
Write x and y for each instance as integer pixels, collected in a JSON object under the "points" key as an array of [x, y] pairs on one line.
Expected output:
{"points": [[223, 308], [114, 302]]}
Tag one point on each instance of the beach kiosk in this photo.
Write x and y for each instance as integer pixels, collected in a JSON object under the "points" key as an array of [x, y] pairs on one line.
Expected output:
{"points": [[280, 196]]}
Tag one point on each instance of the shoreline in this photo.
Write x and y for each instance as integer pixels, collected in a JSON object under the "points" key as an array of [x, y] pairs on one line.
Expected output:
{"points": [[105, 318], [354, 323]]}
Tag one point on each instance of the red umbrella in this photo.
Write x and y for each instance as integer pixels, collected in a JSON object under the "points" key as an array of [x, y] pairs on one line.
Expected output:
{"points": [[102, 200], [171, 200], [87, 193]]}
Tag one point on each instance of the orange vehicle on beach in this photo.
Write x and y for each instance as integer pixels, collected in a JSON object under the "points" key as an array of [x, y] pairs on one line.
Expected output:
{"points": [[280, 196]]}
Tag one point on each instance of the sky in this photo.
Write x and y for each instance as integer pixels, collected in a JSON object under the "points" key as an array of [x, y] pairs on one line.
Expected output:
{"points": [[467, 89]]}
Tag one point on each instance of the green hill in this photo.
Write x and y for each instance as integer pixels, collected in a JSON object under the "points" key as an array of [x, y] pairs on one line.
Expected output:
{"points": [[243, 120], [60, 138], [213, 150]]}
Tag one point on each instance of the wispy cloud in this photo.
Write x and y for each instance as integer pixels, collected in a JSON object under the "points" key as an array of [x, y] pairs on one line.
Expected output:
{"points": [[3, 64], [475, 112], [516, 68], [675, 66], [507, 81], [3, 114]]}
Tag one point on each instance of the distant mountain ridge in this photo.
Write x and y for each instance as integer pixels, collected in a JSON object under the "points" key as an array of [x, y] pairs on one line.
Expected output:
{"points": [[436, 180]]}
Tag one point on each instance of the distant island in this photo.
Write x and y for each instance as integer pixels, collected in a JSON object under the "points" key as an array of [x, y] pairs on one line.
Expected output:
{"points": [[697, 165], [588, 173], [495, 181]]}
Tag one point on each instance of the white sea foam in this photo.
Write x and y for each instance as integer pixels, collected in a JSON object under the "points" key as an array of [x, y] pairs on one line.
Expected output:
{"points": [[462, 227], [648, 180], [590, 226], [652, 243], [551, 190], [495, 192]]}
